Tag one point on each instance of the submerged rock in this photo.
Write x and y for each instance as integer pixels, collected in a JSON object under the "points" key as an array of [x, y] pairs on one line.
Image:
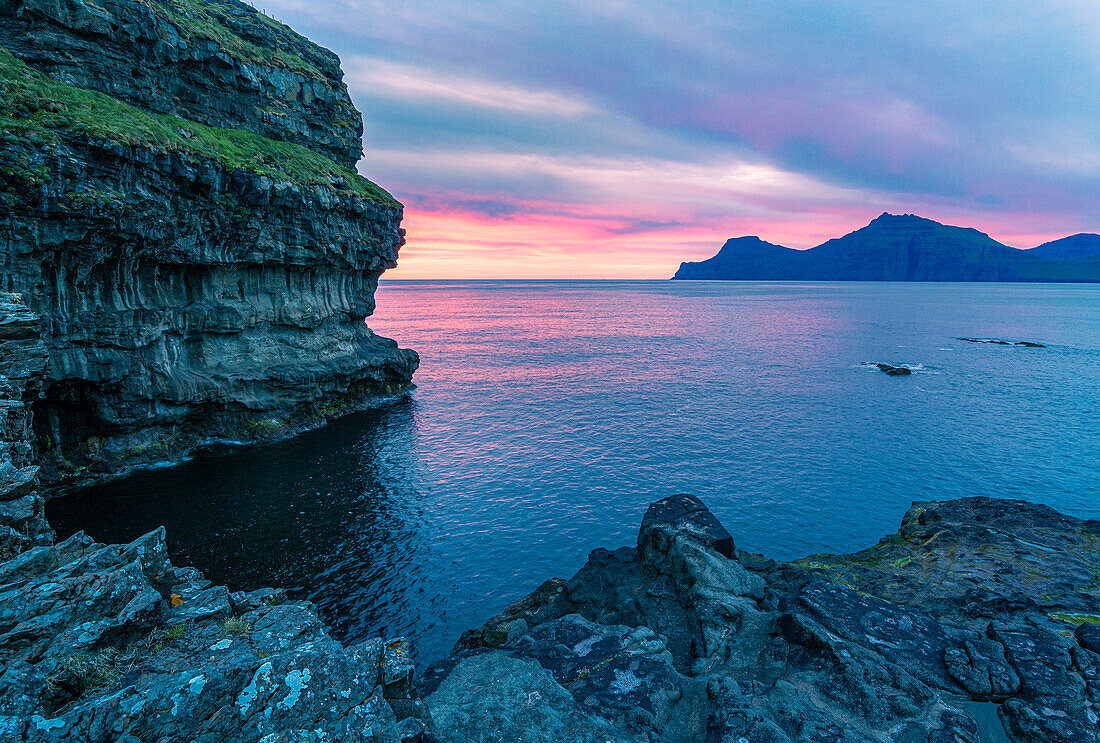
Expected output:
{"points": [[998, 342], [895, 371]]}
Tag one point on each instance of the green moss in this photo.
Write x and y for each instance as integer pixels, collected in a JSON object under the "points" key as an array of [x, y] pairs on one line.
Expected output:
{"points": [[41, 111], [264, 427], [1075, 619], [197, 19]]}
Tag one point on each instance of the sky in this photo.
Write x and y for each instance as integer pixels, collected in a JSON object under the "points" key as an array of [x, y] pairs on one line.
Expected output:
{"points": [[588, 139]]}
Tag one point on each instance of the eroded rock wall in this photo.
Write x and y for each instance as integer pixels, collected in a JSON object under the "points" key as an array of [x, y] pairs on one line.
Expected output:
{"points": [[22, 366], [184, 302], [195, 284]]}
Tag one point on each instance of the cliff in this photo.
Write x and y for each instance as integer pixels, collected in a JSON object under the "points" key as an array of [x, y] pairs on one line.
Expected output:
{"points": [[202, 278], [22, 365], [897, 248], [216, 62]]}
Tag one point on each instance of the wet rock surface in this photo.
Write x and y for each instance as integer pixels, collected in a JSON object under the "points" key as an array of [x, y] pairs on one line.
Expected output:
{"points": [[894, 371], [974, 605]]}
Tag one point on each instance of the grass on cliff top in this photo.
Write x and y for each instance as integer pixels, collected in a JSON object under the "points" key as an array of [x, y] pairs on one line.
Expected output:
{"points": [[197, 19], [38, 109]]}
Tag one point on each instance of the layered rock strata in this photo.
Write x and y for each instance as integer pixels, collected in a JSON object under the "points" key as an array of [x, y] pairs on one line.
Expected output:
{"points": [[195, 283], [976, 622]]}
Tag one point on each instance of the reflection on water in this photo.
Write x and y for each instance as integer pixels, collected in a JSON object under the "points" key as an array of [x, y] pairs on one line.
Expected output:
{"points": [[549, 414], [332, 516]]}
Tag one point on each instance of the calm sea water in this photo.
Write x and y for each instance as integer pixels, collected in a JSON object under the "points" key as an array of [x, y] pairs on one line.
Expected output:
{"points": [[549, 414]]}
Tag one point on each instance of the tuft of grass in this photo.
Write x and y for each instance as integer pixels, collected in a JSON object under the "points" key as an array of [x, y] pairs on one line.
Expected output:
{"points": [[100, 670], [175, 632], [236, 627], [38, 110]]}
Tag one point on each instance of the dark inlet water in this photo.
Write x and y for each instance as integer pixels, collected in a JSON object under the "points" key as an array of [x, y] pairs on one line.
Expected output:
{"points": [[549, 414]]}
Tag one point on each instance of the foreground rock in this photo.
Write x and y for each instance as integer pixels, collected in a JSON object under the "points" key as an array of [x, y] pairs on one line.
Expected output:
{"points": [[973, 623], [113, 643]]}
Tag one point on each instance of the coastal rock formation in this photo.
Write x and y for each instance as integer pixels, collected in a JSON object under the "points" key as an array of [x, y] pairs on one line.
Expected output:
{"points": [[901, 247], [195, 283], [112, 643], [974, 623], [106, 643], [22, 364]]}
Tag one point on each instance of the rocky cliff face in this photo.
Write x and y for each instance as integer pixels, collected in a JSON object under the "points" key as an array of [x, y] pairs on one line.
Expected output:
{"points": [[195, 283], [22, 365], [216, 62]]}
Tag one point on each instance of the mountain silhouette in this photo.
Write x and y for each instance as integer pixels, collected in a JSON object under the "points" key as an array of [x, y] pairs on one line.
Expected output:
{"points": [[902, 248]]}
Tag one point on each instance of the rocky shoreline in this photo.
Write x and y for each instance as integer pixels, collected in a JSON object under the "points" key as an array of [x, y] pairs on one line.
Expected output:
{"points": [[979, 621]]}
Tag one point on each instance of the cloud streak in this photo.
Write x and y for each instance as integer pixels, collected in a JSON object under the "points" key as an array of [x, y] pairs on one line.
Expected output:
{"points": [[628, 135]]}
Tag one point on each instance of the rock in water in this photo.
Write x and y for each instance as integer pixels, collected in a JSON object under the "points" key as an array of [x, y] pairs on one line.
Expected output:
{"points": [[687, 639], [201, 275], [998, 342], [895, 371]]}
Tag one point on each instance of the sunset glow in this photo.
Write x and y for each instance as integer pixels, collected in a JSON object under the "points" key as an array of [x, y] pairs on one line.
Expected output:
{"points": [[606, 140]]}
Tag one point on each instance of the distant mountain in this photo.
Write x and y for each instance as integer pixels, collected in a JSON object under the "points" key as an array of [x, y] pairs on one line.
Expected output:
{"points": [[894, 248], [1074, 247]]}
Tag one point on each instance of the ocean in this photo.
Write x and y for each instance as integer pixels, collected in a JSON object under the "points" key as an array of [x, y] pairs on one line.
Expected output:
{"points": [[548, 414]]}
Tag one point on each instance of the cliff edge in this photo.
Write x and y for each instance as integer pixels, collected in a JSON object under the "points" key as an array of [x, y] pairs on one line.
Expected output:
{"points": [[179, 207]]}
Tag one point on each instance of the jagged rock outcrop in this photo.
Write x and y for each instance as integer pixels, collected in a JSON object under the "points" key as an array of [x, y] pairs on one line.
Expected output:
{"points": [[22, 364], [195, 283], [106, 643], [113, 644], [958, 629], [899, 247], [218, 62]]}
